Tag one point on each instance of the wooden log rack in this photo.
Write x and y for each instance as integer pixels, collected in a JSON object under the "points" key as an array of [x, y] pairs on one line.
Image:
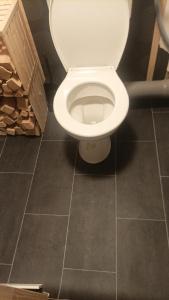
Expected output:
{"points": [[23, 108]]}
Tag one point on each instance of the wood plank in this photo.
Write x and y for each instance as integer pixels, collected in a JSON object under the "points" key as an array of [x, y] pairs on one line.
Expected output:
{"points": [[9, 293], [154, 46], [4, 73]]}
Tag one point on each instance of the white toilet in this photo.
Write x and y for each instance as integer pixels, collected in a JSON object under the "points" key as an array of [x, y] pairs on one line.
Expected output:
{"points": [[91, 103]]}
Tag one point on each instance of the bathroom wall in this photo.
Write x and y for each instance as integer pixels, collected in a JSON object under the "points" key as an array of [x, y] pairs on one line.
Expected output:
{"points": [[134, 63]]}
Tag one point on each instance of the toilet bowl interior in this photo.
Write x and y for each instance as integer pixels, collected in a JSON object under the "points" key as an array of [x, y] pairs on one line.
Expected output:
{"points": [[90, 103]]}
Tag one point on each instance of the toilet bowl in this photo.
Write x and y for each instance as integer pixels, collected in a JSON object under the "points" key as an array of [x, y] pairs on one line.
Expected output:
{"points": [[92, 101]]}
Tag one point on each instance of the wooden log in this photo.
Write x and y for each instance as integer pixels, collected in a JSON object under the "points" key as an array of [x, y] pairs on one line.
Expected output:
{"points": [[10, 131], [7, 109], [1, 118], [27, 124], [8, 120], [14, 84], [15, 114], [4, 73], [7, 95], [7, 105], [6, 89], [19, 130], [3, 133], [2, 124], [22, 103], [19, 120], [5, 62], [24, 113], [19, 93], [31, 114]]}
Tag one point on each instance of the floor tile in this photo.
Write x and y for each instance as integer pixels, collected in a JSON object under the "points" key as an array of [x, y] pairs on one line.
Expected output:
{"points": [[138, 183], [4, 273], [13, 196], [53, 130], [106, 167], [143, 260], [91, 239], [80, 285], [162, 134], [1, 145], [50, 90], [161, 105], [137, 126], [165, 183], [52, 182], [39, 256], [19, 154]]}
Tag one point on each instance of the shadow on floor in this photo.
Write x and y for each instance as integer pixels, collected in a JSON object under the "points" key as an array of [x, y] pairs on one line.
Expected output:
{"points": [[117, 160]]}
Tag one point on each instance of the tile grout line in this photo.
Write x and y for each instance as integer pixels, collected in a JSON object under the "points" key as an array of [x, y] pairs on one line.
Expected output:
{"points": [[46, 215], [90, 270], [4, 264], [94, 174], [115, 178], [135, 141], [67, 231], [17, 173], [159, 170], [161, 112], [64, 141], [141, 219], [3, 147], [20, 230]]}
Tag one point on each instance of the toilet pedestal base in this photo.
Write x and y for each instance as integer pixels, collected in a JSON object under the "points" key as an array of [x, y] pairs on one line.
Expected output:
{"points": [[95, 152]]}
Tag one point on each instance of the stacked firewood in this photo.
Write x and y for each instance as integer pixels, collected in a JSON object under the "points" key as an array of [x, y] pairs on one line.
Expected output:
{"points": [[16, 113]]}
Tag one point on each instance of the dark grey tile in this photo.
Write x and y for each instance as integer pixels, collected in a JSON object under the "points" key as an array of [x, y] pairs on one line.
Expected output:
{"points": [[19, 154], [162, 133], [160, 104], [14, 190], [53, 130], [137, 126], [143, 260], [1, 145], [161, 109], [52, 184], [4, 273], [91, 239], [106, 167], [83, 285], [2, 138], [162, 126], [138, 183], [165, 183], [39, 257]]}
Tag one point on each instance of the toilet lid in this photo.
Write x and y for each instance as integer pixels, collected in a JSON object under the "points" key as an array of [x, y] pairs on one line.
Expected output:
{"points": [[89, 33]]}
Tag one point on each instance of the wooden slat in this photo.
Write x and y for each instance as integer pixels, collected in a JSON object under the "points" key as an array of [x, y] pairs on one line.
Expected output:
{"points": [[19, 42], [154, 46], [9, 293], [29, 34], [6, 9], [37, 99]]}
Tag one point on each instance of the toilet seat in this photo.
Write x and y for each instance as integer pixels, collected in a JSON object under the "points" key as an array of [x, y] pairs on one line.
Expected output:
{"points": [[103, 76], [89, 33]]}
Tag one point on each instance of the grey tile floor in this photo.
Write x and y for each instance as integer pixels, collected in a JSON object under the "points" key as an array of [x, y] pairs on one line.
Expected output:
{"points": [[88, 232]]}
